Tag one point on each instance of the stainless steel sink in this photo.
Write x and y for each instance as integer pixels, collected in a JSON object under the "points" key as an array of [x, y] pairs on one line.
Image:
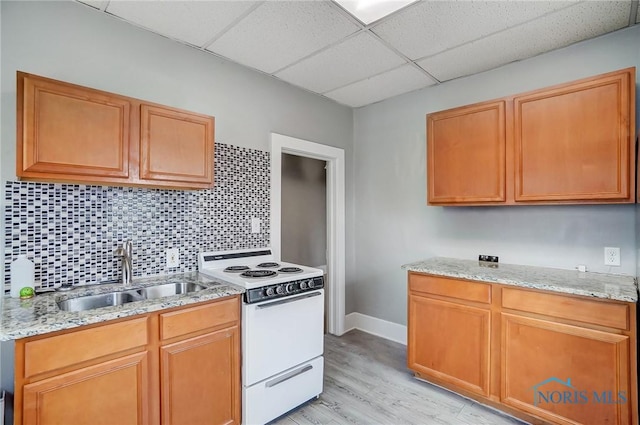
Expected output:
{"points": [[110, 299], [169, 289], [91, 302]]}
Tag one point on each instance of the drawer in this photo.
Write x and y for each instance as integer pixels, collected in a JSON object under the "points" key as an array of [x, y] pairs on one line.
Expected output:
{"points": [[449, 287], [194, 319], [604, 313], [77, 346]]}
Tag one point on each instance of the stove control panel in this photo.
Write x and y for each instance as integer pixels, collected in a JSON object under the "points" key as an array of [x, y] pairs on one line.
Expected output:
{"points": [[271, 292]]}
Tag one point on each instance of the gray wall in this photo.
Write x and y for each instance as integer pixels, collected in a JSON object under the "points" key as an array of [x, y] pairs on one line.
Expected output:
{"points": [[395, 226], [304, 210], [72, 42]]}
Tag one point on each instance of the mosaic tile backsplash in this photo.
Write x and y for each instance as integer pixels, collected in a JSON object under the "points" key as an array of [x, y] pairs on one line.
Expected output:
{"points": [[70, 231]]}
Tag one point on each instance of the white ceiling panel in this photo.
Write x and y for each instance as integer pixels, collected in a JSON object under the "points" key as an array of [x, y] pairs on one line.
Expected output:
{"points": [[194, 22], [431, 27], [388, 84], [317, 45], [578, 22], [279, 33], [359, 57]]}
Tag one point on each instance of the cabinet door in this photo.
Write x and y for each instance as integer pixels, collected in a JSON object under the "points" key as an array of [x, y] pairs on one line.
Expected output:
{"points": [[67, 132], [565, 374], [466, 154], [200, 381], [176, 146], [575, 142], [114, 392], [449, 342]]}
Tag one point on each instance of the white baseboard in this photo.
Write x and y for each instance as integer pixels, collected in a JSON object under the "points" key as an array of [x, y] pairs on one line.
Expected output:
{"points": [[373, 325]]}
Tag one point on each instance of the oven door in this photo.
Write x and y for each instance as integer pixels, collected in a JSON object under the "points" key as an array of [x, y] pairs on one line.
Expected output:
{"points": [[280, 334]]}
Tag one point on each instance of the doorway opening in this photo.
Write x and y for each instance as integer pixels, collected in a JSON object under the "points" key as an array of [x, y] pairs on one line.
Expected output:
{"points": [[335, 216]]}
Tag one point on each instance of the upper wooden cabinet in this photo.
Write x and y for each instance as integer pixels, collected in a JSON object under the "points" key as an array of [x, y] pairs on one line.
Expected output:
{"points": [[572, 143], [70, 133], [467, 154]]}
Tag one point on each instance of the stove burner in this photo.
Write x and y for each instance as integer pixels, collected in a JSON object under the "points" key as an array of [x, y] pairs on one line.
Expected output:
{"points": [[258, 273], [268, 265], [236, 269], [290, 270]]}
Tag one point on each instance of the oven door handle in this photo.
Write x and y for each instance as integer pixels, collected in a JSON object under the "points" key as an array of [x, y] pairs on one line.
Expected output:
{"points": [[288, 376], [288, 300]]}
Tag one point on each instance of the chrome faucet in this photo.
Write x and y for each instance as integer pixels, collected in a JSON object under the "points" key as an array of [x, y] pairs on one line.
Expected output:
{"points": [[126, 252]]}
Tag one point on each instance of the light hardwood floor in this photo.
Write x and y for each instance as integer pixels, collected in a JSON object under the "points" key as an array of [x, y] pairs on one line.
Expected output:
{"points": [[366, 381]]}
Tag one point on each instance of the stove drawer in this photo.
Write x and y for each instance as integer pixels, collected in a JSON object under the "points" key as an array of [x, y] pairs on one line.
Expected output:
{"points": [[273, 397]]}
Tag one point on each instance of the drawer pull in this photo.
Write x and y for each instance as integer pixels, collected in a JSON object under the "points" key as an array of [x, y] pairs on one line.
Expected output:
{"points": [[288, 376]]}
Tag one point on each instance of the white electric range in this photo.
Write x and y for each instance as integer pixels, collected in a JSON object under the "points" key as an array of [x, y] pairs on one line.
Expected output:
{"points": [[282, 329]]}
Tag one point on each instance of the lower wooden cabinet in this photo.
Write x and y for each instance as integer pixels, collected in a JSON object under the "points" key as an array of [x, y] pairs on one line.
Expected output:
{"points": [[113, 392], [123, 372], [187, 398], [541, 356], [563, 373], [450, 341]]}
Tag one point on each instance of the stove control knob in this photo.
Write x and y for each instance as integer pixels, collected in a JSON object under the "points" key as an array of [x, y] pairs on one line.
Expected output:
{"points": [[269, 291], [290, 288], [280, 290], [303, 285], [311, 283]]}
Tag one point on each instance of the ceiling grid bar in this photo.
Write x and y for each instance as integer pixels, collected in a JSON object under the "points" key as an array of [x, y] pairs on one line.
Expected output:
{"points": [[231, 25], [634, 12]]}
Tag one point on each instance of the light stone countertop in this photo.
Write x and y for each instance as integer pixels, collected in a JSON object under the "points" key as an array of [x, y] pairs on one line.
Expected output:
{"points": [[40, 314], [597, 285]]}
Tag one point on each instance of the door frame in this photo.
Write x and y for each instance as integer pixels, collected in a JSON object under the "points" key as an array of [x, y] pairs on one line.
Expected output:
{"points": [[335, 290]]}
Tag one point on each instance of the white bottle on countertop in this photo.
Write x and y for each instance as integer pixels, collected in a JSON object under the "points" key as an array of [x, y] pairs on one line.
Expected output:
{"points": [[22, 275]]}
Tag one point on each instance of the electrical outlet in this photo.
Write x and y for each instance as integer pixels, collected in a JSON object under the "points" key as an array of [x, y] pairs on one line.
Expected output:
{"points": [[173, 257], [611, 256], [488, 258]]}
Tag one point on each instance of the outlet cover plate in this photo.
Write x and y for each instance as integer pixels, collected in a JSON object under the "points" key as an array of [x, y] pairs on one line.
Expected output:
{"points": [[255, 225], [611, 256], [173, 257]]}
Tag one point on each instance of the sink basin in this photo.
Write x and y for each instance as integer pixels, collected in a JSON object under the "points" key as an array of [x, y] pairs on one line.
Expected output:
{"points": [[110, 299], [90, 302], [169, 289]]}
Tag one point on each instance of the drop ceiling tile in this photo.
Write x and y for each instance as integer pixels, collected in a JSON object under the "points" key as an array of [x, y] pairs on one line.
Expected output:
{"points": [[279, 33], [358, 57], [382, 86], [430, 27], [195, 22], [562, 28]]}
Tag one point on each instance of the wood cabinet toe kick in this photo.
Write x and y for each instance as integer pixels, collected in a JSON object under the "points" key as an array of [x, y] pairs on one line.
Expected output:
{"points": [[541, 356]]}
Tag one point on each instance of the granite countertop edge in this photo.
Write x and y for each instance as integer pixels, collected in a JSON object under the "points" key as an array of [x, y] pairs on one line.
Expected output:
{"points": [[41, 315], [573, 282]]}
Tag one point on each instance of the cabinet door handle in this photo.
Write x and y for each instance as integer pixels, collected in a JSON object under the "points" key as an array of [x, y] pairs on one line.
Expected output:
{"points": [[288, 376]]}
